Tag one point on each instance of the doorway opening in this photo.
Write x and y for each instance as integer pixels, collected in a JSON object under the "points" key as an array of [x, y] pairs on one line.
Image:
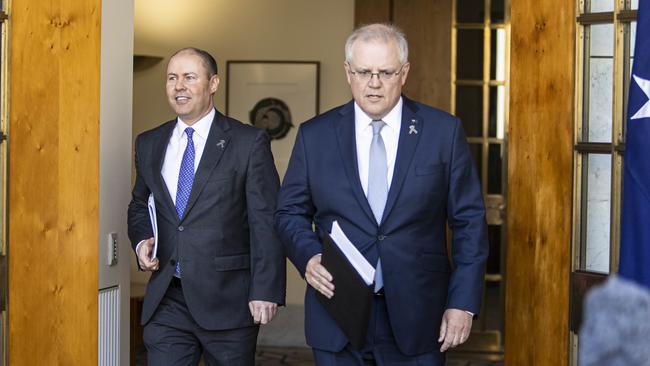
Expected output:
{"points": [[480, 80]]}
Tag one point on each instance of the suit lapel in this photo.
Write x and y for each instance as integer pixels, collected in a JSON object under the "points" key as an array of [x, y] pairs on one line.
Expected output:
{"points": [[348, 147], [159, 188], [408, 141], [217, 142]]}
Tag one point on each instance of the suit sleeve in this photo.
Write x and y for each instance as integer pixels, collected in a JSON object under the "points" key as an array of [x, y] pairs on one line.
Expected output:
{"points": [[466, 217], [139, 225], [268, 266], [295, 212]]}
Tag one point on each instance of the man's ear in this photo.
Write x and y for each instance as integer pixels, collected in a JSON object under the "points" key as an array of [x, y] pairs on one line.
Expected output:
{"points": [[405, 72], [346, 66], [214, 83]]}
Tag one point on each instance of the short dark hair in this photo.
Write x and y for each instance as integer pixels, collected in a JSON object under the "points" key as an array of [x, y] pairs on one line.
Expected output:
{"points": [[208, 61]]}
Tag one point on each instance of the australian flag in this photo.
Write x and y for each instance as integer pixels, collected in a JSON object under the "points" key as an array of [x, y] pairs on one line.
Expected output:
{"points": [[635, 222]]}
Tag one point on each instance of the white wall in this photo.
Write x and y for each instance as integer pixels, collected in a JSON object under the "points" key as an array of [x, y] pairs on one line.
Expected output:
{"points": [[298, 30], [115, 146]]}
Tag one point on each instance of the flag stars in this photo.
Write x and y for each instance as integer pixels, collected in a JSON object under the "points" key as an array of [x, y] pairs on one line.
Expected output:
{"points": [[644, 111]]}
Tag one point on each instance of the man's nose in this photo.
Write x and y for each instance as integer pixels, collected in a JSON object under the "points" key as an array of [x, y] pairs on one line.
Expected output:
{"points": [[374, 81], [179, 85]]}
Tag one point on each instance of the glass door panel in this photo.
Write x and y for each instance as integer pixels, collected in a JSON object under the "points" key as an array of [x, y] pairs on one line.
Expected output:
{"points": [[480, 96]]}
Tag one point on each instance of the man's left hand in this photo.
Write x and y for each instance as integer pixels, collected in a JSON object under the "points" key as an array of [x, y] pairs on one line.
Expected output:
{"points": [[262, 311], [455, 328]]}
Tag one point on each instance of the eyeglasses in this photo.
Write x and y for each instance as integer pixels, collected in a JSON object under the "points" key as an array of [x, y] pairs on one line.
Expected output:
{"points": [[366, 75]]}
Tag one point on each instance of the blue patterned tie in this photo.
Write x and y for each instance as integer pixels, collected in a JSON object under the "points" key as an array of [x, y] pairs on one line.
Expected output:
{"points": [[377, 184], [185, 180]]}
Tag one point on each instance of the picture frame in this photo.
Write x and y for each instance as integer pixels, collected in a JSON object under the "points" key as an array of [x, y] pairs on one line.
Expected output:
{"points": [[275, 96]]}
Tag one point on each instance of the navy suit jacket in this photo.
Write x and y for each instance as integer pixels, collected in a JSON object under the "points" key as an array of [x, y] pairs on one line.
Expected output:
{"points": [[434, 183], [226, 243]]}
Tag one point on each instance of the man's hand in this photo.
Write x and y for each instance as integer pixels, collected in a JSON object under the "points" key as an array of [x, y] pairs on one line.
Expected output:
{"points": [[262, 311], [144, 253], [318, 277], [455, 328]]}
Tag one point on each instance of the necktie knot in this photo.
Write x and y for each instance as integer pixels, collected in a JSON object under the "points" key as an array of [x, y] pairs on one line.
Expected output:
{"points": [[189, 132], [377, 125]]}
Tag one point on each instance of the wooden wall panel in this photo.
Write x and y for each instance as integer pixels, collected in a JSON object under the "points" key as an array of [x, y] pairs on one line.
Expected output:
{"points": [[427, 25], [372, 11], [53, 182], [540, 182]]}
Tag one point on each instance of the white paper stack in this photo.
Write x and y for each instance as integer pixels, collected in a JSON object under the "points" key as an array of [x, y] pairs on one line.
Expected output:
{"points": [[154, 225], [358, 261]]}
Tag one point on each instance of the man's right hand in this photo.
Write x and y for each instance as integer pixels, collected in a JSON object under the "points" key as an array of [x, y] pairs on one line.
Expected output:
{"points": [[318, 277], [144, 254]]}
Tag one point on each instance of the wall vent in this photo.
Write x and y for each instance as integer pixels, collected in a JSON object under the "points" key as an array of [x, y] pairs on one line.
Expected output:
{"points": [[109, 327]]}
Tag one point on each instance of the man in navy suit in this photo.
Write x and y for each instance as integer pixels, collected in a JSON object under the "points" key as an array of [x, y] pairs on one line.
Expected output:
{"points": [[393, 173], [220, 268]]}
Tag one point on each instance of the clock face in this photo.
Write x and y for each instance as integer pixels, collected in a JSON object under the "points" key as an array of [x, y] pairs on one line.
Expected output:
{"points": [[272, 115]]}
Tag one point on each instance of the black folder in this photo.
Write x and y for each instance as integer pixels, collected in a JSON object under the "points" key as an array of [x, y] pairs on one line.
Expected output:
{"points": [[352, 301]]}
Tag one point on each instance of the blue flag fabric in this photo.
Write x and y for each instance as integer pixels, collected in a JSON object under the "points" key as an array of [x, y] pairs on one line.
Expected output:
{"points": [[635, 221]]}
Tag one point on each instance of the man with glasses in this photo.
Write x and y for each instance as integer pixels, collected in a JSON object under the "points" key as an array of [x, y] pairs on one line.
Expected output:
{"points": [[393, 173]]}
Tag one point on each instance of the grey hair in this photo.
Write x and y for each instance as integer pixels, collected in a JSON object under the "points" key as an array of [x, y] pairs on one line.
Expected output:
{"points": [[378, 32]]}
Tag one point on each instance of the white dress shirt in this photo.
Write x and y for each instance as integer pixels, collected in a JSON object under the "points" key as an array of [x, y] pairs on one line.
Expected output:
{"points": [[363, 135], [176, 147]]}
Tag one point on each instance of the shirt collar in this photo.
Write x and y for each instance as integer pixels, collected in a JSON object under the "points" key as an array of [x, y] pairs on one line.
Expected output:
{"points": [[392, 119], [201, 127]]}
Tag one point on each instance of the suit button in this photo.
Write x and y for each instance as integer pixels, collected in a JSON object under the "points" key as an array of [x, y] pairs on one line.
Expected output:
{"points": [[381, 237], [181, 228], [172, 262]]}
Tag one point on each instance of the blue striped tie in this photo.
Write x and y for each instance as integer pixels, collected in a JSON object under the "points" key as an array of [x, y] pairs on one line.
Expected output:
{"points": [[377, 184], [185, 180]]}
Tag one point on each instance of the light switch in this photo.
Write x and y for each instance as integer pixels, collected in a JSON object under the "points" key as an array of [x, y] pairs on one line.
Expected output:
{"points": [[111, 242]]}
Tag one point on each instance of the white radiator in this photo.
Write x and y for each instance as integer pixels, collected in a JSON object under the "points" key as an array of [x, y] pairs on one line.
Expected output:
{"points": [[109, 327]]}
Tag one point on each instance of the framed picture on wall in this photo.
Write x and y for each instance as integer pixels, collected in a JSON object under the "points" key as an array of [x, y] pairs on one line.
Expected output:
{"points": [[275, 96], [272, 95]]}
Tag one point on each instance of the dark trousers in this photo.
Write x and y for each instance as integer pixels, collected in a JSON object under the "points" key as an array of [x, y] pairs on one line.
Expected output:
{"points": [[172, 337], [380, 348]]}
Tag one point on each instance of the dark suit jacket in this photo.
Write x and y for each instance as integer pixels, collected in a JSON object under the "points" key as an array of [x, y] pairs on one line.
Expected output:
{"points": [[434, 182], [228, 249]]}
